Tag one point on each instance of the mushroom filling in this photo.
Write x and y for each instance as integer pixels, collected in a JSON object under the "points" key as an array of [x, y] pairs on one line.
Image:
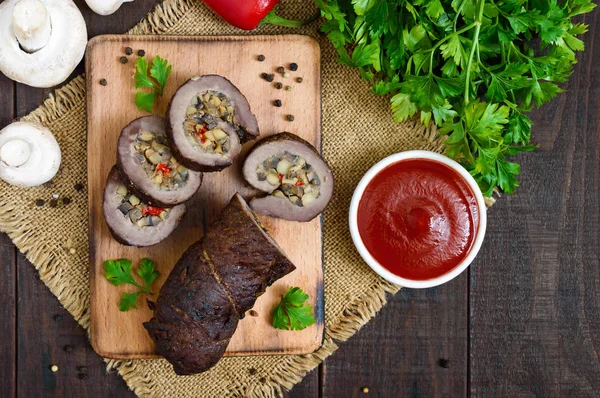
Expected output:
{"points": [[200, 123], [156, 159], [140, 214], [295, 179]]}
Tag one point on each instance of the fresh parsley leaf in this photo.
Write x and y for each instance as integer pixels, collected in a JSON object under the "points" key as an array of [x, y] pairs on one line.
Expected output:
{"points": [[159, 71], [128, 301], [292, 313], [118, 272]]}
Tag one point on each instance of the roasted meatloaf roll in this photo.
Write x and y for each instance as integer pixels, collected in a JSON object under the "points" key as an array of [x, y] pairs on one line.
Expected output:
{"points": [[199, 140], [199, 305], [147, 164], [133, 222], [298, 181], [194, 317]]}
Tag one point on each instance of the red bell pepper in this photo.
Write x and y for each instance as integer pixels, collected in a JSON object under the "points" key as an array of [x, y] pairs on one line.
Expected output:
{"points": [[153, 211], [248, 14], [163, 168]]}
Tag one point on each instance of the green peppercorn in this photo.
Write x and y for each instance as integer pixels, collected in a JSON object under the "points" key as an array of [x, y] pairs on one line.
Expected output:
{"points": [[290, 118], [280, 69], [299, 80]]}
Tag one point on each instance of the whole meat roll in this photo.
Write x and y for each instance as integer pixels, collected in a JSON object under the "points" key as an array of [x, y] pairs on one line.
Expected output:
{"points": [[199, 305], [298, 181]]}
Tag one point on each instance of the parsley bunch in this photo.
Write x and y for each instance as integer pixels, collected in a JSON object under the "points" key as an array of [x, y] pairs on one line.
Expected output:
{"points": [[472, 67], [159, 73], [118, 272], [292, 313]]}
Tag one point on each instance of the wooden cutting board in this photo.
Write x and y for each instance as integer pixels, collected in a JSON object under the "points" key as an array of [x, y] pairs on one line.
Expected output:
{"points": [[116, 334]]}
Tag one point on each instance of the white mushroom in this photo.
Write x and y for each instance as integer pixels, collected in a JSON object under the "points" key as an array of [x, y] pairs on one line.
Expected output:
{"points": [[41, 41], [105, 7], [29, 154]]}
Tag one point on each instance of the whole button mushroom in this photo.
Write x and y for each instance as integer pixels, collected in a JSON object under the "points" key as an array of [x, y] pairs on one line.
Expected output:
{"points": [[105, 7], [41, 41], [29, 154]]}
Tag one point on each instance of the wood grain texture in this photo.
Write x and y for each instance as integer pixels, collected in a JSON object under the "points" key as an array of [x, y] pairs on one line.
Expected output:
{"points": [[121, 335], [535, 312]]}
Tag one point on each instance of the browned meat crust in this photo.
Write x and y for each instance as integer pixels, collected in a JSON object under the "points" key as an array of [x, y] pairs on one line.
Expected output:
{"points": [[222, 274]]}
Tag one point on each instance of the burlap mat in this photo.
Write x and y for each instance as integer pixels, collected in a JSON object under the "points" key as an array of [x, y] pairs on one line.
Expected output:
{"points": [[357, 132]]}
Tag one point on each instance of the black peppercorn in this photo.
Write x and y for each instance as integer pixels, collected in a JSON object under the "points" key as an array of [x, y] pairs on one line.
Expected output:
{"points": [[83, 376], [103, 82], [242, 315], [264, 75], [39, 202], [68, 348], [270, 78], [123, 59], [281, 70], [278, 86], [82, 369], [260, 58], [78, 187], [262, 380], [293, 66], [299, 79], [277, 103], [141, 53], [443, 362], [252, 371], [58, 318], [290, 118], [128, 50], [53, 203], [66, 201]]}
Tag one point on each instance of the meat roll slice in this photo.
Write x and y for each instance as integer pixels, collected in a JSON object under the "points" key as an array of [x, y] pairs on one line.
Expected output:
{"points": [[246, 258], [298, 181], [194, 317], [193, 122], [216, 279], [147, 164], [133, 222]]}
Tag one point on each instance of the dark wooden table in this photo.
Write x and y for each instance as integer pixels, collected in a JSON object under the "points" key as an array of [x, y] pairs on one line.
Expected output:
{"points": [[524, 321]]}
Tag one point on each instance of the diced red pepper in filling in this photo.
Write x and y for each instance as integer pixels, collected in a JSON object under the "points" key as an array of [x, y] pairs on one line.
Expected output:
{"points": [[153, 211], [280, 177], [163, 168], [299, 183]]}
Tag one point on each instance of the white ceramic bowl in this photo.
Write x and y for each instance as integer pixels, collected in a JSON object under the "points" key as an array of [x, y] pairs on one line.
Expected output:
{"points": [[370, 260]]}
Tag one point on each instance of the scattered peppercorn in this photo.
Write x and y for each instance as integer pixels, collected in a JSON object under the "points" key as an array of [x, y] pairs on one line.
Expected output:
{"points": [[253, 313], [270, 78], [39, 202], [365, 390], [78, 187], [66, 201], [260, 58], [264, 75], [47, 184], [252, 371], [123, 59], [278, 86], [59, 202], [286, 74], [280, 69], [290, 118], [82, 369], [54, 368], [58, 318], [68, 348], [262, 380], [128, 50], [299, 79], [293, 66], [443, 362], [72, 250], [277, 103], [103, 82], [141, 53], [288, 88], [53, 203], [83, 376]]}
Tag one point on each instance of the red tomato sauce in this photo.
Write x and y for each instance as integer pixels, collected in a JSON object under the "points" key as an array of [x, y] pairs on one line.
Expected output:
{"points": [[418, 218]]}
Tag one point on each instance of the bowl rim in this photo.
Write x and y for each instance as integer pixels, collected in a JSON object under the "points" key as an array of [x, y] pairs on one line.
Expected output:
{"points": [[364, 252]]}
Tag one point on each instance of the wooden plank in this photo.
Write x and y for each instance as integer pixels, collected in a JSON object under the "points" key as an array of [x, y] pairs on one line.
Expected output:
{"points": [[535, 306], [121, 335], [397, 354], [307, 388]]}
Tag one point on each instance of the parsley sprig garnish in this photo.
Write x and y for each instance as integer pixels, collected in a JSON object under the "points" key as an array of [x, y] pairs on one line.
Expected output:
{"points": [[474, 68], [159, 73], [292, 313], [118, 272]]}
